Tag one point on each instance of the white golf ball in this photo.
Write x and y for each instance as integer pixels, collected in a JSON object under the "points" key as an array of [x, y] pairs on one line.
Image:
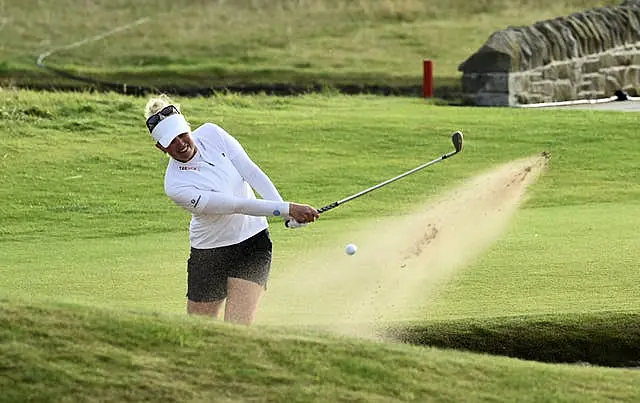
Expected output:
{"points": [[351, 249]]}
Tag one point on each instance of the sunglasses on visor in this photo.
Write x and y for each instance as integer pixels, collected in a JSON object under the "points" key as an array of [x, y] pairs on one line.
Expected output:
{"points": [[157, 117]]}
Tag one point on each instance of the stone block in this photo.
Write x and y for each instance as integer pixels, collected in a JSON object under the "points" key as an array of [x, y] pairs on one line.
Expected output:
{"points": [[632, 77], [575, 75], [550, 72], [528, 98], [564, 90], [580, 33], [622, 58], [491, 99], [569, 70], [631, 90], [542, 88], [593, 40], [519, 82], [616, 73], [535, 47], [501, 53], [615, 22], [585, 87], [534, 75], [586, 94], [488, 82], [591, 65], [472, 82], [630, 3], [607, 60], [549, 29], [497, 82], [595, 81], [611, 85]]}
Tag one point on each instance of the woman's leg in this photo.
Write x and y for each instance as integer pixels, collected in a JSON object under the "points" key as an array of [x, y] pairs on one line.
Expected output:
{"points": [[212, 309], [206, 282], [243, 297]]}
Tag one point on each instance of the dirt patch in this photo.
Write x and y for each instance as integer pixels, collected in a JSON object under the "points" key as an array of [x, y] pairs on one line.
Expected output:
{"points": [[400, 260]]}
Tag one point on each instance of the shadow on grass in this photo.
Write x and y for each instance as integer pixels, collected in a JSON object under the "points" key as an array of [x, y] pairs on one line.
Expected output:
{"points": [[609, 339], [446, 90]]}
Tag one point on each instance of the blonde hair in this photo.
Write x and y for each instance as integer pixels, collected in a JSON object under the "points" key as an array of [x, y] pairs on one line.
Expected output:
{"points": [[155, 104]]}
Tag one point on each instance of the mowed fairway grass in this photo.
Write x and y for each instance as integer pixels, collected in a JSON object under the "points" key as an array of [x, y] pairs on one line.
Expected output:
{"points": [[92, 254], [204, 44]]}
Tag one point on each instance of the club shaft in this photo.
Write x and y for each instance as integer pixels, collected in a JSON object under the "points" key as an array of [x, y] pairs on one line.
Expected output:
{"points": [[388, 181]]}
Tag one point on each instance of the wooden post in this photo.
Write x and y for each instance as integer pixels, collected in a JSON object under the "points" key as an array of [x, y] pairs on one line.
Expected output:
{"points": [[427, 78]]}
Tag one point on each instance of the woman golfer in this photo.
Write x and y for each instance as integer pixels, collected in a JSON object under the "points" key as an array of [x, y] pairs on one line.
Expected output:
{"points": [[210, 175]]}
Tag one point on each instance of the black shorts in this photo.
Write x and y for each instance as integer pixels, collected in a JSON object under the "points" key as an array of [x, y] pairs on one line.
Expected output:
{"points": [[209, 269]]}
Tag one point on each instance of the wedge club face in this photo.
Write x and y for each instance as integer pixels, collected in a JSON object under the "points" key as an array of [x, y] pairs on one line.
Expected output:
{"points": [[456, 138]]}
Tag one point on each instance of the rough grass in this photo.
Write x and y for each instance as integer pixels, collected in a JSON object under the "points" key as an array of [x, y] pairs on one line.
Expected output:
{"points": [[73, 353]]}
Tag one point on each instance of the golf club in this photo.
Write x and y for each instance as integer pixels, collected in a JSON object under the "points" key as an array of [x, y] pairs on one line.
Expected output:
{"points": [[456, 139]]}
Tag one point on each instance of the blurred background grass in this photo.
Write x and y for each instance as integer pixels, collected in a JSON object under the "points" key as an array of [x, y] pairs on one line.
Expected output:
{"points": [[209, 44]]}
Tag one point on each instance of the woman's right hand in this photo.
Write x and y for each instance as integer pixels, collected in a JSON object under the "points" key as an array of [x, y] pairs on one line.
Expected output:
{"points": [[303, 213]]}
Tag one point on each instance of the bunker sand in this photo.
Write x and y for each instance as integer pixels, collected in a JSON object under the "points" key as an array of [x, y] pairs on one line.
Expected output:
{"points": [[401, 260]]}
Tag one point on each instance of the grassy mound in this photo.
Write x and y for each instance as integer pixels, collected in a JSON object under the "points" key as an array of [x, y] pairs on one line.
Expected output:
{"points": [[74, 353]]}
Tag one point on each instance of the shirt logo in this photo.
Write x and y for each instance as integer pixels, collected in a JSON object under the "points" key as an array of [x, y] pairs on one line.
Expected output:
{"points": [[188, 168], [276, 212]]}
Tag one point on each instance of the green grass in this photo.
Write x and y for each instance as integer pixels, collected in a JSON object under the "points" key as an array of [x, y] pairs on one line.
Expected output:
{"points": [[216, 43], [84, 221], [69, 353], [83, 189], [569, 259]]}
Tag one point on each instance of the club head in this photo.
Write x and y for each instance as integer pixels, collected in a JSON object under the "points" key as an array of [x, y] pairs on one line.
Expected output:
{"points": [[456, 139]]}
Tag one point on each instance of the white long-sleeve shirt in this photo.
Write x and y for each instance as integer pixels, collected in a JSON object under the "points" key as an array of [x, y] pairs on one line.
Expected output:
{"points": [[216, 187]]}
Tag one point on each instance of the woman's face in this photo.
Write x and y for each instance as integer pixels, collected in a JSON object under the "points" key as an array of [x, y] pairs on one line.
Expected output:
{"points": [[181, 148]]}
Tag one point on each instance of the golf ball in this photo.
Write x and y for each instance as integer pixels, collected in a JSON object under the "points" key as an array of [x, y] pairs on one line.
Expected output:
{"points": [[350, 249]]}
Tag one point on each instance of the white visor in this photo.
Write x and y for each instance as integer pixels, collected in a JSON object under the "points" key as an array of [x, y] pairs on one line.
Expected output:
{"points": [[169, 128]]}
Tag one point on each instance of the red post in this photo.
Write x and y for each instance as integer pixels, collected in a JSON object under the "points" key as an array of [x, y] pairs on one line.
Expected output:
{"points": [[427, 78]]}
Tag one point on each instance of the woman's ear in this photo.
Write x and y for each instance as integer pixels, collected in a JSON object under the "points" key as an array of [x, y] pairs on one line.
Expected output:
{"points": [[159, 147]]}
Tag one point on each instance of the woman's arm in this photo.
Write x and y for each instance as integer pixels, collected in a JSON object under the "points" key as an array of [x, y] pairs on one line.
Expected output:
{"points": [[248, 169], [207, 202]]}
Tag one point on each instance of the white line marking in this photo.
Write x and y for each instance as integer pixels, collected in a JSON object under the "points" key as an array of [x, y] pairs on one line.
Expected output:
{"points": [[566, 103], [44, 55]]}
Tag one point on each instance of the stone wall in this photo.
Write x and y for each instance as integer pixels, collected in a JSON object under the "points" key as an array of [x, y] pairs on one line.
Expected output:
{"points": [[585, 55]]}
